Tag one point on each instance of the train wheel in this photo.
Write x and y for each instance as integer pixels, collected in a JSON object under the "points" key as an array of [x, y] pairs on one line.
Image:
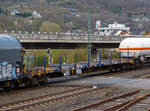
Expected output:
{"points": [[34, 82], [9, 85], [44, 80], [16, 83]]}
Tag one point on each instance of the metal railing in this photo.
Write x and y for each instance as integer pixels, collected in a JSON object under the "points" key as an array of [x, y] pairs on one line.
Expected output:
{"points": [[64, 36]]}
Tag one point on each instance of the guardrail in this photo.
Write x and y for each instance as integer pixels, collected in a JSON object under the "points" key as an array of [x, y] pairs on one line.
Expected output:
{"points": [[64, 36]]}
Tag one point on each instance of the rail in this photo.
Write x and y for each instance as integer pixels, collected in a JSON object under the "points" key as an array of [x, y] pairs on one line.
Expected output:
{"points": [[84, 108], [121, 106], [47, 99]]}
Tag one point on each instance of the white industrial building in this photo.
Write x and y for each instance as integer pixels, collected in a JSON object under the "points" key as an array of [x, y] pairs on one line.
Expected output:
{"points": [[114, 29]]}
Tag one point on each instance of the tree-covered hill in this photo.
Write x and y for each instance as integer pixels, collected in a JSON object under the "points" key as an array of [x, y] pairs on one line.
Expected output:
{"points": [[66, 15]]}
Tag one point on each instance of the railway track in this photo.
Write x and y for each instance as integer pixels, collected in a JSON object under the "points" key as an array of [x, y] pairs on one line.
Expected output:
{"points": [[27, 104], [145, 75], [122, 102], [19, 90]]}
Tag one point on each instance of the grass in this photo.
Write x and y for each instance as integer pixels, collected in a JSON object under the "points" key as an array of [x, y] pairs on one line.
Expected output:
{"points": [[67, 55]]}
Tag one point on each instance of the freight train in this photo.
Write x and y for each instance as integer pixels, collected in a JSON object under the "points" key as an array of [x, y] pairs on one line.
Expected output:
{"points": [[13, 73]]}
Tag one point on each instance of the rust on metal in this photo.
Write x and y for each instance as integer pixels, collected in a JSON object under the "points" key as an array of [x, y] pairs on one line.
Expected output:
{"points": [[106, 101], [116, 106], [30, 99], [134, 102], [148, 109], [43, 100]]}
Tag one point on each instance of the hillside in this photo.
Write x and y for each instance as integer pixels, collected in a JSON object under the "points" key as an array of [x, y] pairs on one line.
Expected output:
{"points": [[66, 15]]}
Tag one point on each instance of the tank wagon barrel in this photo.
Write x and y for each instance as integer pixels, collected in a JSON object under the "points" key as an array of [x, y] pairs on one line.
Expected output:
{"points": [[11, 58], [137, 49]]}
